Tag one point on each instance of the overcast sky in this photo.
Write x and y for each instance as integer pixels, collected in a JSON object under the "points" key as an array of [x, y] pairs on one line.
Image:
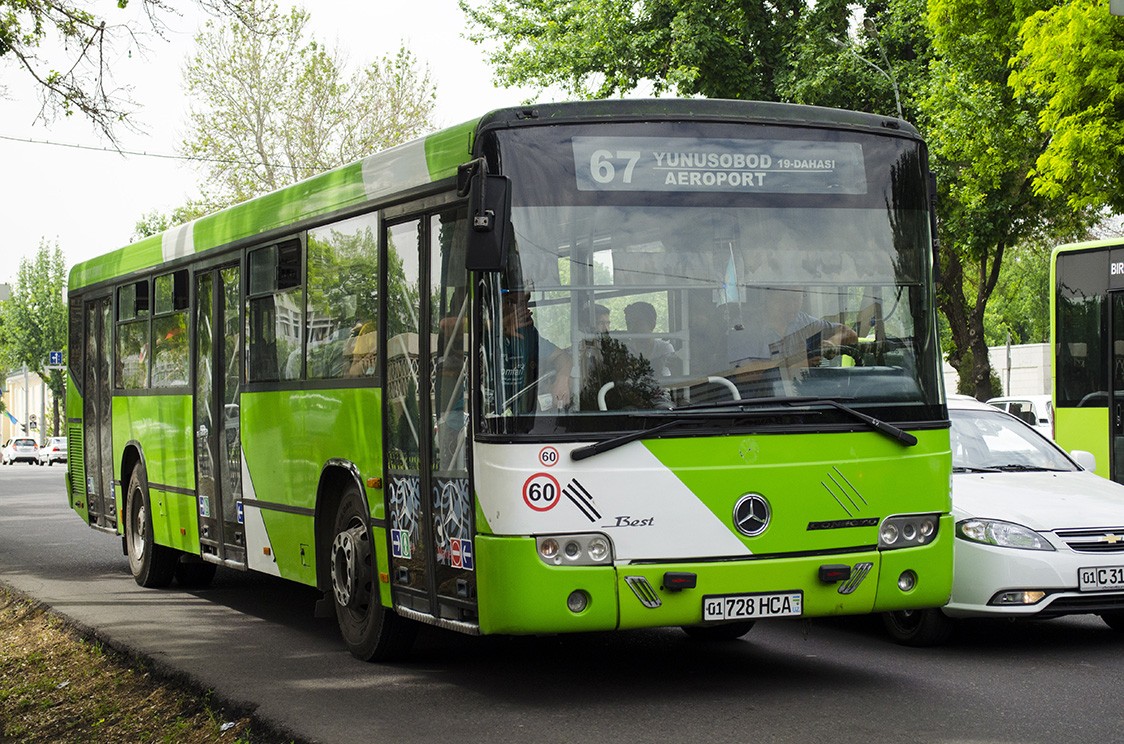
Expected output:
{"points": [[89, 201]]}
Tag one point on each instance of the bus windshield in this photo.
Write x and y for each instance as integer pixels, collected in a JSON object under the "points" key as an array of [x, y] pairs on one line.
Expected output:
{"points": [[666, 265]]}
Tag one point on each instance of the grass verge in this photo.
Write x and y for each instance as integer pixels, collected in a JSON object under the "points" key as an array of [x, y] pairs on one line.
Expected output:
{"points": [[58, 686]]}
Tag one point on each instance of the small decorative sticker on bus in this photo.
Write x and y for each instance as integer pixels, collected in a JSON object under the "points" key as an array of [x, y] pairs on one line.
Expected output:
{"points": [[460, 554], [548, 457], [688, 164], [400, 543]]}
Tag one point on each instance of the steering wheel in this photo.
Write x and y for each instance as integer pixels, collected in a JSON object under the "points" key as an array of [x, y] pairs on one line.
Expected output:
{"points": [[734, 394]]}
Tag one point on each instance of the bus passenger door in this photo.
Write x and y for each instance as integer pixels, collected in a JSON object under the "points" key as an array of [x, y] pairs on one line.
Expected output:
{"points": [[430, 507], [1116, 383], [218, 442], [97, 406]]}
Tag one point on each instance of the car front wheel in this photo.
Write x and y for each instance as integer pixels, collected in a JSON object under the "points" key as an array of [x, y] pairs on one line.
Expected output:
{"points": [[918, 627]]}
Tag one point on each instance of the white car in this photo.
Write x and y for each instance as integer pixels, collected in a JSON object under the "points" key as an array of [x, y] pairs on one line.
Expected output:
{"points": [[1038, 535], [52, 451], [20, 449], [1036, 410]]}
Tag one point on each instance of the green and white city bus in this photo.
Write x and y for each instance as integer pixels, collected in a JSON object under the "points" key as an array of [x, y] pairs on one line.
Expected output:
{"points": [[570, 367], [1087, 334]]}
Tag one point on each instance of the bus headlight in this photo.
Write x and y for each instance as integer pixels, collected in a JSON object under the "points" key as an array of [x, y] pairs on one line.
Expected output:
{"points": [[575, 550], [907, 531]]}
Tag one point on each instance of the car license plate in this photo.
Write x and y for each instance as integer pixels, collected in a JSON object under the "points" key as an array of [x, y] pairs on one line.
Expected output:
{"points": [[753, 606], [1101, 579]]}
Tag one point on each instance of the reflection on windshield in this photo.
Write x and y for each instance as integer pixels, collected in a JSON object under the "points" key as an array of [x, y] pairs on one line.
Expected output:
{"points": [[986, 441], [610, 309]]}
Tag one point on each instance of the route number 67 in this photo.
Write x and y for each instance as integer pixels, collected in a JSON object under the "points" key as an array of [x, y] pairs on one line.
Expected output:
{"points": [[603, 165]]}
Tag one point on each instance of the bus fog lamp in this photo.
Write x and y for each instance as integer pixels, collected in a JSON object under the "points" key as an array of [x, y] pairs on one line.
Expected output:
{"points": [[907, 581], [577, 601]]}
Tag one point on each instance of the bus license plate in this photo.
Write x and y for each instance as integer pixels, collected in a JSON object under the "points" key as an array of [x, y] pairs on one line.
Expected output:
{"points": [[1104, 578], [753, 606]]}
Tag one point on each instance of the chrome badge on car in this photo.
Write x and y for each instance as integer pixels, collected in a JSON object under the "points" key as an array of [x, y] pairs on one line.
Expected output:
{"points": [[751, 514]]}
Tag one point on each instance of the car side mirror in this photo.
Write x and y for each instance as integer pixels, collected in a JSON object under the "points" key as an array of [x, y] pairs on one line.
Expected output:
{"points": [[1087, 460], [489, 207]]}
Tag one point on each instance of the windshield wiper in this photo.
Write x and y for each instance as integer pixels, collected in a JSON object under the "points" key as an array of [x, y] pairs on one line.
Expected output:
{"points": [[971, 469], [889, 430], [1014, 468], [581, 453]]}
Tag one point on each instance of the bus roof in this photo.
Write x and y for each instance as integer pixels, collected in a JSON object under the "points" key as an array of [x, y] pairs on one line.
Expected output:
{"points": [[432, 158]]}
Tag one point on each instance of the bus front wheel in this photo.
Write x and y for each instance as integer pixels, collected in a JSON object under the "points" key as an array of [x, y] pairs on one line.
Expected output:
{"points": [[152, 565], [370, 631]]}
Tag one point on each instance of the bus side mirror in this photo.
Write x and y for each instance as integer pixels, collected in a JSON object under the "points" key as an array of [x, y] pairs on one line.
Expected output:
{"points": [[489, 214]]}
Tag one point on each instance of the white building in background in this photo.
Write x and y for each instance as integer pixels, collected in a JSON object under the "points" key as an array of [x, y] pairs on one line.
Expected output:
{"points": [[29, 408], [1025, 371]]}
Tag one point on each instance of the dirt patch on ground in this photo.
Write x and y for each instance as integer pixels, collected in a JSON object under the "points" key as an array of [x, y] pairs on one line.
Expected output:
{"points": [[58, 686]]}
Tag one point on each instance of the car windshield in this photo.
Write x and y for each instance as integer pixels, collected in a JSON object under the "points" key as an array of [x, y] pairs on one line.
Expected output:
{"points": [[994, 441]]}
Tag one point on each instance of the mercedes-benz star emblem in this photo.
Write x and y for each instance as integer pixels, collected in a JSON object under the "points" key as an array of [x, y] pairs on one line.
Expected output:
{"points": [[751, 514]]}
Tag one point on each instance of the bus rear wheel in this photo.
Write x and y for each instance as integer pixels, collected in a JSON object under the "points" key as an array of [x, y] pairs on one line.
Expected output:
{"points": [[370, 631], [152, 565]]}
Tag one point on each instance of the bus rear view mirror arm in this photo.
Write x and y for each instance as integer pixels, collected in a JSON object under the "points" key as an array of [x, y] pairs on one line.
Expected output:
{"points": [[489, 204]]}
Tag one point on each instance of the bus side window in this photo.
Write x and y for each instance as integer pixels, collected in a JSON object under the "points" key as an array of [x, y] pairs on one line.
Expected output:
{"points": [[131, 352], [276, 320], [342, 309]]}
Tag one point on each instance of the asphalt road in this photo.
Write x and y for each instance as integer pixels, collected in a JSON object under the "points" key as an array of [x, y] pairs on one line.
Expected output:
{"points": [[255, 641]]}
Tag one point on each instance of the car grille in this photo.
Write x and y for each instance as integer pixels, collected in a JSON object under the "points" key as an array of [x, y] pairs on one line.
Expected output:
{"points": [[1094, 541], [1086, 603]]}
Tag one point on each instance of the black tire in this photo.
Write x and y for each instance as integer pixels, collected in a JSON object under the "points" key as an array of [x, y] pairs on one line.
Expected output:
{"points": [[370, 631], [718, 633], [153, 565], [918, 628], [194, 573], [1114, 620]]}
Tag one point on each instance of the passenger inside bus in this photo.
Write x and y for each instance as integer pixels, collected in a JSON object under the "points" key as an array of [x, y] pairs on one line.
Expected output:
{"points": [[523, 377], [768, 354]]}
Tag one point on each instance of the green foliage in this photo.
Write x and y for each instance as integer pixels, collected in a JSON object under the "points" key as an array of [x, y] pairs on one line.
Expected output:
{"points": [[156, 222], [269, 106], [602, 48], [1020, 305], [68, 51], [984, 142], [1071, 60], [34, 319], [635, 381]]}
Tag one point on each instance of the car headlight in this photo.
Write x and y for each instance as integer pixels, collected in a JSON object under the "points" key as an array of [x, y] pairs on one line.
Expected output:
{"points": [[1001, 534]]}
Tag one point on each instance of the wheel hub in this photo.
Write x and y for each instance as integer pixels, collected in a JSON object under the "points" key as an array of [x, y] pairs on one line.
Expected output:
{"points": [[351, 567]]}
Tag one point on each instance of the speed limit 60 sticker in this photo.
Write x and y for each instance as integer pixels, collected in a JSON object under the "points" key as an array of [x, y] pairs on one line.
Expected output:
{"points": [[540, 492]]}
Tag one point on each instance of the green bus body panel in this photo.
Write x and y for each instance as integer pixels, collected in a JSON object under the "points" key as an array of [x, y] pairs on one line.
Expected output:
{"points": [[323, 194], [76, 455], [1084, 429], [814, 478], [162, 426], [287, 437], [141, 255]]}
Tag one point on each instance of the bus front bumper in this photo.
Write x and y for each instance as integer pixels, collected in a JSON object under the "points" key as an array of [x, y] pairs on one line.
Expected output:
{"points": [[520, 594]]}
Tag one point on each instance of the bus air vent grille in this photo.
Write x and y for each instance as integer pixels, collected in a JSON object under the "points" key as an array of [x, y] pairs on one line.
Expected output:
{"points": [[643, 591]]}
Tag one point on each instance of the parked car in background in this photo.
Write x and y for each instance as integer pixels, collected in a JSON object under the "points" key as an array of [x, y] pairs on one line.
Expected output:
{"points": [[1036, 410], [20, 449], [1038, 535], [52, 451]]}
